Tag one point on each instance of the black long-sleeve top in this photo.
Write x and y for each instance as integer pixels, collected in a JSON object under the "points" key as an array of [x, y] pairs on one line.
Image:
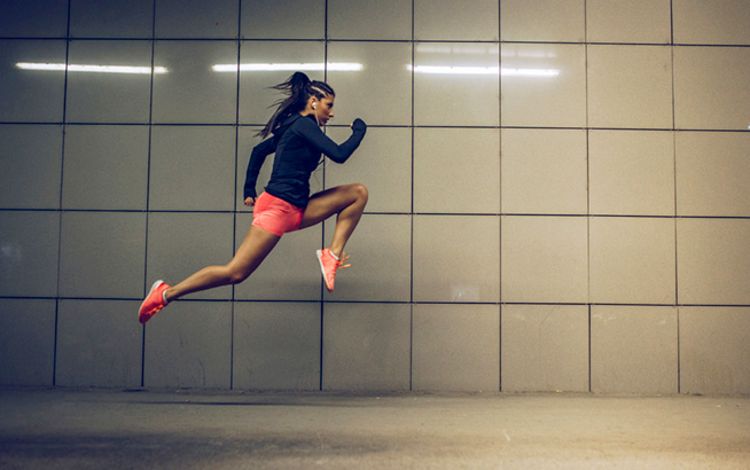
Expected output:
{"points": [[298, 144]]}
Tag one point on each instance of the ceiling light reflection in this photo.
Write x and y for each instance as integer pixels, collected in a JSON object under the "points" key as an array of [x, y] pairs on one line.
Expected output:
{"points": [[337, 66], [464, 70], [90, 68], [457, 49]]}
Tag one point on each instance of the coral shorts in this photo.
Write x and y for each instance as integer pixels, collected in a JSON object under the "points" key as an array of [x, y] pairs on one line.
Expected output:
{"points": [[275, 215]]}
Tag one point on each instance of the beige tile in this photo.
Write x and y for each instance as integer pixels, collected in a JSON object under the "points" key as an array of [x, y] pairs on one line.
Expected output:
{"points": [[384, 75], [32, 165], [27, 341], [109, 97], [542, 20], [256, 99], [276, 346], [710, 87], [191, 91], [31, 95], [456, 348], [382, 163], [457, 170], [463, 20], [712, 174], [196, 18], [633, 349], [713, 261], [543, 85], [711, 22], [363, 19], [630, 86], [544, 171], [634, 21], [86, 356], [380, 251], [456, 258], [291, 270], [544, 259], [366, 347], [105, 167], [189, 346], [95, 19], [192, 168], [271, 19], [114, 269], [456, 84], [29, 253], [24, 19], [632, 260], [713, 350], [545, 348], [631, 172]]}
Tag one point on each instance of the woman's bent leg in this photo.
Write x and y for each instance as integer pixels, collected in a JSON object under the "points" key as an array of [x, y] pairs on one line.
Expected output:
{"points": [[254, 248], [347, 201]]}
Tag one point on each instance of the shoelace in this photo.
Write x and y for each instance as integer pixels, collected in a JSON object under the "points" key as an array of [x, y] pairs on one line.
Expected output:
{"points": [[340, 263]]}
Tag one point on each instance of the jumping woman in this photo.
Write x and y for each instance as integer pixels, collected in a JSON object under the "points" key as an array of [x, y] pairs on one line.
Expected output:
{"points": [[286, 204]]}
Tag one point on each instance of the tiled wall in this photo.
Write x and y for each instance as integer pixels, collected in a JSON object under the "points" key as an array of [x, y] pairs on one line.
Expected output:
{"points": [[558, 195]]}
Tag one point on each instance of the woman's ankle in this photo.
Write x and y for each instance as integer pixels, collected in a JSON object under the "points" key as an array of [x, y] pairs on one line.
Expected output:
{"points": [[336, 253]]}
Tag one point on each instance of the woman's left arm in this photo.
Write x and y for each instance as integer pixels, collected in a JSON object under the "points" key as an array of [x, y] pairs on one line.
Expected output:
{"points": [[257, 157]]}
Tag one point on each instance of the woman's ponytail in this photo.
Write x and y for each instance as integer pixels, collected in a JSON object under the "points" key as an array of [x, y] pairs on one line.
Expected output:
{"points": [[299, 87]]}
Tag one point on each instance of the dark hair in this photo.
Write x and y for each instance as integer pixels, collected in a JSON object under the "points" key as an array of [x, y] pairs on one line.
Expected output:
{"points": [[299, 87]]}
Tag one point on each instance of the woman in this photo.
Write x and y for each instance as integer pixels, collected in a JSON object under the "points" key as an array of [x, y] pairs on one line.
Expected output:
{"points": [[286, 204]]}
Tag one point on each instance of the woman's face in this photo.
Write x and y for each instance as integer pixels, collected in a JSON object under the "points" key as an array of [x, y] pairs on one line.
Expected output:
{"points": [[324, 109]]}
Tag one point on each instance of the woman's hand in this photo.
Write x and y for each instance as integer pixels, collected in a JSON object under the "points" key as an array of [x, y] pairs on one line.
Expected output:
{"points": [[249, 201], [359, 124]]}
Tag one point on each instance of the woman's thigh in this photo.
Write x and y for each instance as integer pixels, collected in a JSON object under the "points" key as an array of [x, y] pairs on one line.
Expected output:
{"points": [[326, 203], [257, 244]]}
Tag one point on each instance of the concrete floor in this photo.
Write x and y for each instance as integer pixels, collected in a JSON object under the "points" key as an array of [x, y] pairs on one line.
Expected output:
{"points": [[115, 429]]}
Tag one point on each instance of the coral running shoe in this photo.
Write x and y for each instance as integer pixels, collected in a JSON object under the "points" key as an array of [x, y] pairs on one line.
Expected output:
{"points": [[329, 265], [153, 302]]}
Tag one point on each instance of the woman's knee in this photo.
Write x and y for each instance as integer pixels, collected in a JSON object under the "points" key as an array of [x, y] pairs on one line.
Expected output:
{"points": [[236, 275], [360, 191]]}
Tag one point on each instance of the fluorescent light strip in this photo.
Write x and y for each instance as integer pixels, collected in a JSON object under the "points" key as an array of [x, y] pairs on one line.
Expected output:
{"points": [[530, 72], [91, 68], [451, 70], [337, 66]]}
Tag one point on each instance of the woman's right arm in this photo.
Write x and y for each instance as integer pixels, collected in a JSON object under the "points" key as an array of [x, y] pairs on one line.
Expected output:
{"points": [[257, 157], [338, 153]]}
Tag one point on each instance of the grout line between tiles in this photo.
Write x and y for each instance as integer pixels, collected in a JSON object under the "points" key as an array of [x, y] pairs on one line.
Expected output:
{"points": [[234, 193], [148, 184], [361, 40], [588, 183], [500, 198], [674, 175], [411, 211], [323, 225], [386, 301], [60, 202], [381, 126], [426, 214]]}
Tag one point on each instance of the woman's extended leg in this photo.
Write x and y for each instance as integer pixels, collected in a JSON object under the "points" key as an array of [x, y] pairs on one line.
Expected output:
{"points": [[254, 248], [348, 201]]}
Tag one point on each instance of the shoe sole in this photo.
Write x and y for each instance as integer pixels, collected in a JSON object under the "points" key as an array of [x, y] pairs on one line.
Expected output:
{"points": [[153, 286], [319, 254]]}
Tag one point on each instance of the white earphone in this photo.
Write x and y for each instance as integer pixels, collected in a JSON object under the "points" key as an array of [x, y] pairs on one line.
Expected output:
{"points": [[315, 112]]}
